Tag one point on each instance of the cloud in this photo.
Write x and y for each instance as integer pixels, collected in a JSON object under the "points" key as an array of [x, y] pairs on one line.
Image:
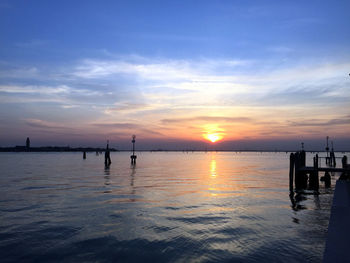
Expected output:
{"points": [[208, 119], [322, 122], [126, 128], [149, 96], [128, 107], [133, 82], [156, 69], [36, 89], [213, 78], [36, 123], [117, 125], [60, 94]]}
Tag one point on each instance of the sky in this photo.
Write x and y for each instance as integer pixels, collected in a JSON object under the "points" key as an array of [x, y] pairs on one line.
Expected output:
{"points": [[258, 74]]}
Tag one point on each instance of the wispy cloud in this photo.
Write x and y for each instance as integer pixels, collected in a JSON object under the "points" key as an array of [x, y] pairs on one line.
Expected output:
{"points": [[322, 122], [208, 119], [138, 94], [118, 125], [37, 123], [36, 89], [156, 69]]}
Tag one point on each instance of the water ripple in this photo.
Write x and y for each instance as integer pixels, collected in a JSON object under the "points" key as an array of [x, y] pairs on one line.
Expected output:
{"points": [[170, 207]]}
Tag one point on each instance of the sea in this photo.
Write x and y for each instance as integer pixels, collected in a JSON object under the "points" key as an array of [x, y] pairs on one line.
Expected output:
{"points": [[169, 207]]}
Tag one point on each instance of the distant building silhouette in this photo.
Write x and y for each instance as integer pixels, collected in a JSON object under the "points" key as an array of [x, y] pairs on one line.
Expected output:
{"points": [[28, 143]]}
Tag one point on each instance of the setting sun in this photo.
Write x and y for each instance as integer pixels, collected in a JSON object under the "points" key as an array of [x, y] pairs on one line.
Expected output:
{"points": [[213, 133], [213, 137]]}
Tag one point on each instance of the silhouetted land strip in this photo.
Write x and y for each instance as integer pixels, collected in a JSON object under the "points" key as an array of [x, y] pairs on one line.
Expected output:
{"points": [[53, 149], [92, 149]]}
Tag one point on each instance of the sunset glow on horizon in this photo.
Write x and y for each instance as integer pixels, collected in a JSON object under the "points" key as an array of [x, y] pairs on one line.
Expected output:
{"points": [[213, 133], [177, 85], [213, 137]]}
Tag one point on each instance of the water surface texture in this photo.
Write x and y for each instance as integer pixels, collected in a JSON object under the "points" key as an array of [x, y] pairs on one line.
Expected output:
{"points": [[171, 207]]}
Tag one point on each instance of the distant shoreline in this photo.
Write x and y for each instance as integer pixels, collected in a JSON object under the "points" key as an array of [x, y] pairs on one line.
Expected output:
{"points": [[92, 149], [53, 149]]}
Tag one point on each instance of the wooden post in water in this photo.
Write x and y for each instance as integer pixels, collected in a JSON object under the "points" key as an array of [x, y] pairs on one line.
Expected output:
{"points": [[300, 176], [332, 157], [84, 155], [327, 150], [327, 180], [107, 156], [303, 174], [313, 180], [303, 158], [297, 177], [291, 171], [344, 161], [133, 156]]}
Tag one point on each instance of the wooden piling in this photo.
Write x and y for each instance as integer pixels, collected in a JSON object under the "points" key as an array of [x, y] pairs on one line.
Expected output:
{"points": [[327, 180], [313, 179], [344, 162], [334, 160], [107, 156], [133, 156], [297, 172], [303, 158], [133, 159], [84, 155], [300, 175], [291, 171]]}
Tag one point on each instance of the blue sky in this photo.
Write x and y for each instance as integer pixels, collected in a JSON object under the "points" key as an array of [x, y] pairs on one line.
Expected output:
{"points": [[78, 72]]}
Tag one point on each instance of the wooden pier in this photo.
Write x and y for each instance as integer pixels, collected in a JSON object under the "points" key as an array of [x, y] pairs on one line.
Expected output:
{"points": [[337, 243], [307, 177]]}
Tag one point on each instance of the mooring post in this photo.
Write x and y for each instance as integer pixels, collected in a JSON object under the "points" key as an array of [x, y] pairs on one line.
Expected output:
{"points": [[327, 180], [312, 183], [107, 155], [303, 158], [297, 178], [133, 156], [344, 162], [327, 150], [291, 171], [84, 155], [345, 174], [300, 176], [313, 180], [334, 160]]}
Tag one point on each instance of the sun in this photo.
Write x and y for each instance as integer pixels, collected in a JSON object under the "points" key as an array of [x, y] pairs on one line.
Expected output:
{"points": [[212, 132], [213, 137]]}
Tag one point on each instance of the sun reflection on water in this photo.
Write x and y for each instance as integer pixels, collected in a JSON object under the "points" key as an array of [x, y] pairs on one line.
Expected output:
{"points": [[213, 177], [213, 168]]}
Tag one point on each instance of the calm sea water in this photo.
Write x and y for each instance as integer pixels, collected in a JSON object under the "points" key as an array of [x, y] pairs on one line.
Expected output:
{"points": [[171, 207]]}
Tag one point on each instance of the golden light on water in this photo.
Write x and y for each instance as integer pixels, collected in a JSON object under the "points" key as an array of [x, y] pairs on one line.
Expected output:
{"points": [[213, 168]]}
